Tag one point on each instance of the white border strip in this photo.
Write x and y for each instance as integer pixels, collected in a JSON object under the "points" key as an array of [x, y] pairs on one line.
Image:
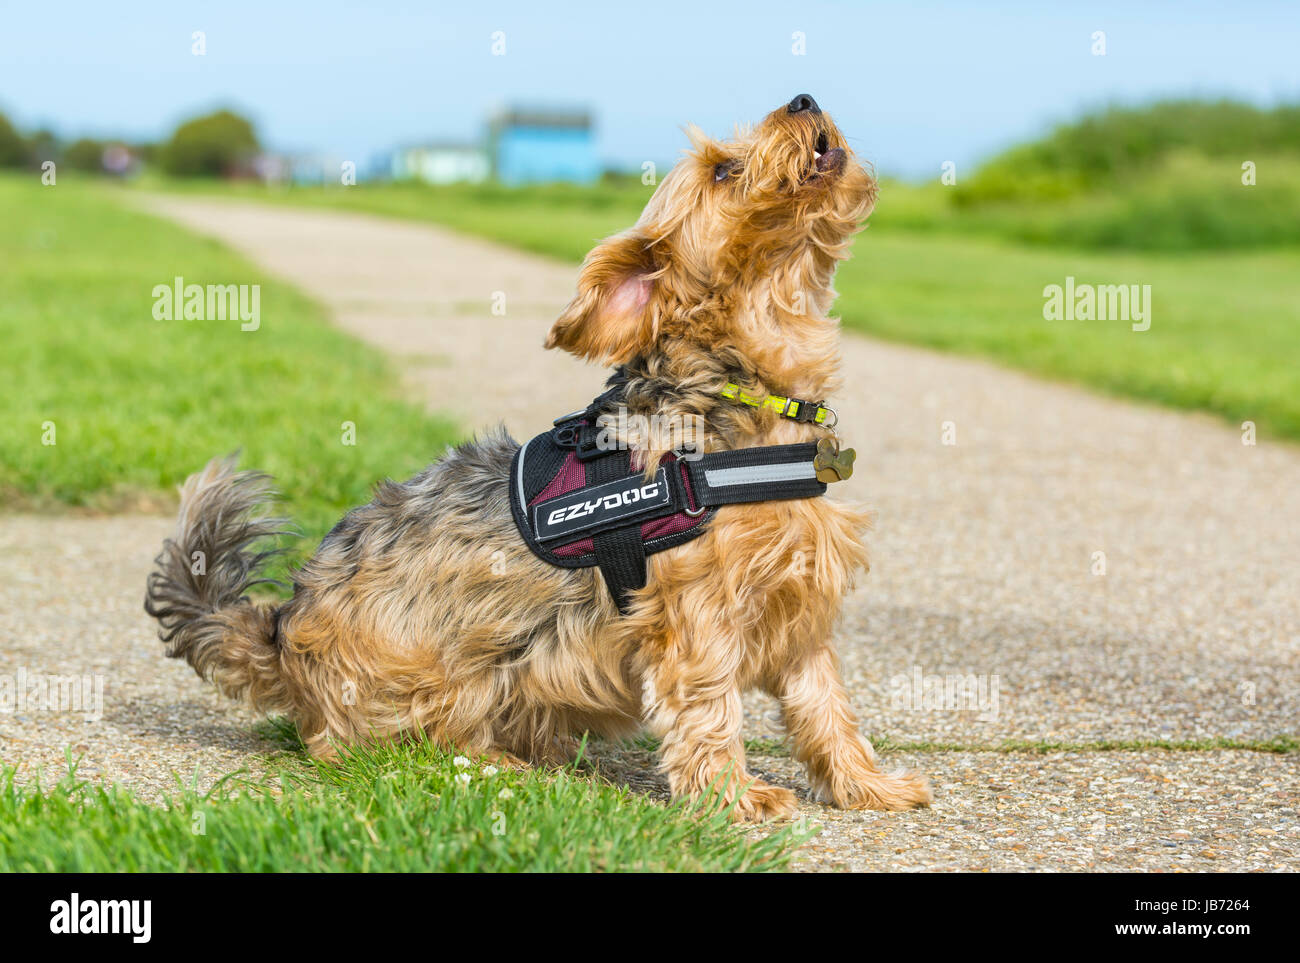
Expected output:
{"points": [[519, 477]]}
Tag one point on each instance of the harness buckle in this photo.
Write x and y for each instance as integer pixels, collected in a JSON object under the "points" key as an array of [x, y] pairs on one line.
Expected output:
{"points": [[807, 413], [566, 435], [586, 443], [689, 494]]}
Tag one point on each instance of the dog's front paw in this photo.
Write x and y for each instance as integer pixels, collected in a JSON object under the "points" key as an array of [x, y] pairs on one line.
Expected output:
{"points": [[762, 802], [880, 790]]}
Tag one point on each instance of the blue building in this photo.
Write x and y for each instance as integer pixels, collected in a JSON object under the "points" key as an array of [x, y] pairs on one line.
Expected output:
{"points": [[530, 146]]}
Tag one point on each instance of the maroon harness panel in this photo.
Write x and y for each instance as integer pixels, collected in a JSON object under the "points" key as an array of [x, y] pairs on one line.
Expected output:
{"points": [[573, 475]]}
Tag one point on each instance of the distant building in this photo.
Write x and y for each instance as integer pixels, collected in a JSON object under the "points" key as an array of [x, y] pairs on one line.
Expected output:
{"points": [[440, 163], [531, 145], [523, 145], [303, 167], [313, 167]]}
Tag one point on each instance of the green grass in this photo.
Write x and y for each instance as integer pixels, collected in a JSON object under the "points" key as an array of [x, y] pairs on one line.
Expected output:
{"points": [[1225, 325], [393, 808], [137, 404]]}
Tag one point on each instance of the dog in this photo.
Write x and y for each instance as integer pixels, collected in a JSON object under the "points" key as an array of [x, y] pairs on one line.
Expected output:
{"points": [[424, 610]]}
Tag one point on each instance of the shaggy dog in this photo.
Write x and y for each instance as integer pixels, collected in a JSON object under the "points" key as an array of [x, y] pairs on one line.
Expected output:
{"points": [[425, 610]]}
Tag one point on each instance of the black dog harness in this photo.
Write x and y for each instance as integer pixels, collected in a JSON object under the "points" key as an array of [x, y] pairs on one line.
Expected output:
{"points": [[578, 502]]}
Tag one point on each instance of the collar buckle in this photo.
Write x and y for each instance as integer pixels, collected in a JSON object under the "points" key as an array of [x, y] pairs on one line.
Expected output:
{"points": [[796, 409]]}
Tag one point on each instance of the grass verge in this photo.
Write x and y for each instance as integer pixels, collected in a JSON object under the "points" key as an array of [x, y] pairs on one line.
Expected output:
{"points": [[391, 808], [106, 406]]}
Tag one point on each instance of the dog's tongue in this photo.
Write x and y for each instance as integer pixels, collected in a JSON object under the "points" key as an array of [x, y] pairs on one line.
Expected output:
{"points": [[831, 160]]}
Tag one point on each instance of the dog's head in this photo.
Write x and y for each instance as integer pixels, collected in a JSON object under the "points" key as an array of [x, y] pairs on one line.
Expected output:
{"points": [[737, 247]]}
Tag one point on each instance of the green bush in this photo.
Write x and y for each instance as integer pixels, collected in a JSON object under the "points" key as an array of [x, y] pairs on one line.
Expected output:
{"points": [[211, 146], [1163, 177], [146, 152], [13, 152], [84, 154], [1190, 202], [1121, 144], [42, 145]]}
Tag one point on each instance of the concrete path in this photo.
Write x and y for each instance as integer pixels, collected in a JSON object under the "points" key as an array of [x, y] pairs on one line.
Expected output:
{"points": [[1093, 571]]}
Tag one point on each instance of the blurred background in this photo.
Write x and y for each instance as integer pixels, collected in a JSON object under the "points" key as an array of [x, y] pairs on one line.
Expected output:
{"points": [[1017, 145]]}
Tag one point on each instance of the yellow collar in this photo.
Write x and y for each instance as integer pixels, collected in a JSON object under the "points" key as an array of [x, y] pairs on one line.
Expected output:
{"points": [[796, 409]]}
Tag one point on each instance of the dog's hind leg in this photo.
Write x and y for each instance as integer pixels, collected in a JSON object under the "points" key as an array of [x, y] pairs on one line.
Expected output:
{"points": [[824, 730]]}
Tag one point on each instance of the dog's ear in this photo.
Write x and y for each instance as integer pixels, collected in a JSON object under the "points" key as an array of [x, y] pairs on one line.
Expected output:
{"points": [[612, 318]]}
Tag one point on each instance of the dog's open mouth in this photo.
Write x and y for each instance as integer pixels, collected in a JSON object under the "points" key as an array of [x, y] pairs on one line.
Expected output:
{"points": [[826, 159]]}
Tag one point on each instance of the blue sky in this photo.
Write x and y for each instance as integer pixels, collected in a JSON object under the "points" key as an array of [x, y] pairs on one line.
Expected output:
{"points": [[912, 85]]}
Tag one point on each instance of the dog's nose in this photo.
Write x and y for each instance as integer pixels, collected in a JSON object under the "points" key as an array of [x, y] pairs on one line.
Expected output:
{"points": [[803, 102]]}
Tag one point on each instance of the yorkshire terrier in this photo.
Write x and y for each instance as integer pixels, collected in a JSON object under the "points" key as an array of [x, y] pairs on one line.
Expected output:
{"points": [[425, 610]]}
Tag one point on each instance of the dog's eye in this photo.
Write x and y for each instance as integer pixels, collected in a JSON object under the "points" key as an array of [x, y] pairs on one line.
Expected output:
{"points": [[722, 171]]}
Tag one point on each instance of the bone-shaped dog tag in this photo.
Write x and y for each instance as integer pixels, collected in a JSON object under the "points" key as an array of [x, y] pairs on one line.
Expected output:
{"points": [[832, 464]]}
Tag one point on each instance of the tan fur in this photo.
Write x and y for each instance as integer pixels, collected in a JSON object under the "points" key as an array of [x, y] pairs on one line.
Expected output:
{"points": [[424, 610]]}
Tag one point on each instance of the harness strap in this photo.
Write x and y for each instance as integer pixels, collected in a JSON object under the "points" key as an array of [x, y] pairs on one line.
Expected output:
{"points": [[620, 553], [773, 472]]}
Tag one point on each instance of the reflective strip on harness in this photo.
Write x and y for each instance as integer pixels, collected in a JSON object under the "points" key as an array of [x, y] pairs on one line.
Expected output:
{"points": [[761, 474]]}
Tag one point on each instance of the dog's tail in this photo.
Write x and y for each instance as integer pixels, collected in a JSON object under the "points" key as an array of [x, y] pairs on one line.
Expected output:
{"points": [[196, 589]]}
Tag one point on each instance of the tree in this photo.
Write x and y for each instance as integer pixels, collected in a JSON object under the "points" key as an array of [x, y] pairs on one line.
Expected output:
{"points": [[209, 146], [13, 151], [84, 154], [42, 145]]}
